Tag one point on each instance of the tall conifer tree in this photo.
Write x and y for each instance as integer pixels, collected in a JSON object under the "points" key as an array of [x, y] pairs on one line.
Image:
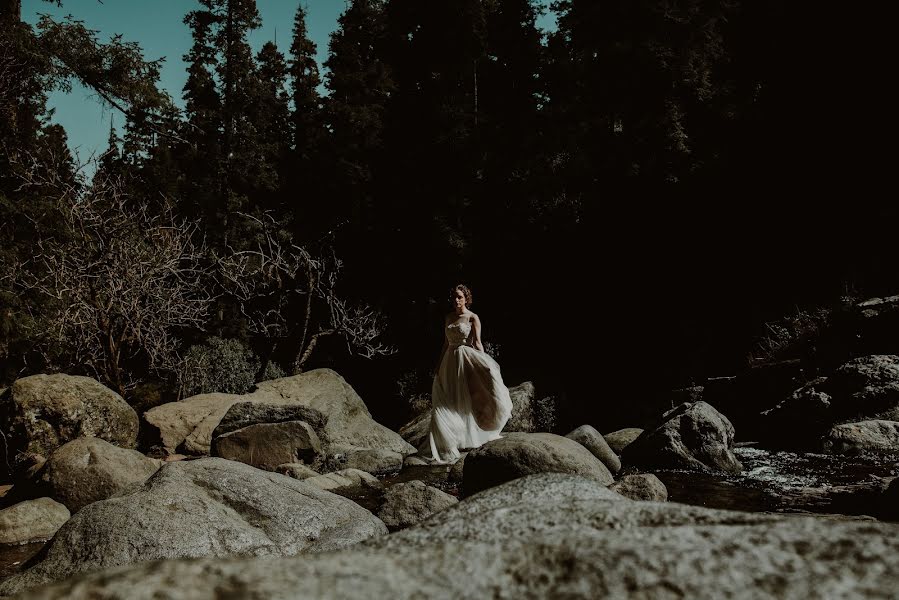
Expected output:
{"points": [[359, 83], [307, 163], [271, 122], [304, 82]]}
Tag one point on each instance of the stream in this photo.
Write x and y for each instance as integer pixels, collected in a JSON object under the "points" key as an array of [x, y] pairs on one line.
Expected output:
{"points": [[788, 482]]}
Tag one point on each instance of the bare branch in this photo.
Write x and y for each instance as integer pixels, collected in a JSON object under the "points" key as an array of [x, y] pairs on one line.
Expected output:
{"points": [[268, 277], [122, 278]]}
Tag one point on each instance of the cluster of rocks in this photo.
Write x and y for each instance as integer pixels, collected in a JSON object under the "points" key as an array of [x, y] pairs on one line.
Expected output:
{"points": [[70, 441], [252, 489], [544, 535], [852, 410]]}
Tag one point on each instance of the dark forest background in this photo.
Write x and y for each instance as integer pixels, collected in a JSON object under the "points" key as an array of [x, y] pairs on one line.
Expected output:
{"points": [[631, 197]]}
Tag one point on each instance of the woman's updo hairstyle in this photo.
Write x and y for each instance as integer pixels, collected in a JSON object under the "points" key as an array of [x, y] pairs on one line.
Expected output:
{"points": [[466, 293]]}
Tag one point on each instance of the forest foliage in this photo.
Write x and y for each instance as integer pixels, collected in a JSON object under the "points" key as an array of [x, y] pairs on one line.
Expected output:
{"points": [[441, 141]]}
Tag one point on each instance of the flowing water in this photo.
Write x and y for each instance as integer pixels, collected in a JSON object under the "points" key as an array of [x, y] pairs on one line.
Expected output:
{"points": [[785, 482], [788, 482], [13, 557]]}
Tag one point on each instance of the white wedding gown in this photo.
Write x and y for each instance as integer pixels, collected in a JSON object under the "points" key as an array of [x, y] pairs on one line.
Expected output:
{"points": [[470, 402]]}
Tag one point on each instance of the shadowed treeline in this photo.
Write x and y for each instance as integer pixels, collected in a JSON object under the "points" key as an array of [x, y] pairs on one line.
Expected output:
{"points": [[630, 196]]}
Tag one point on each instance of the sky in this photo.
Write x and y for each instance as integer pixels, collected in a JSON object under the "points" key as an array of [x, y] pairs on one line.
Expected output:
{"points": [[157, 25]]}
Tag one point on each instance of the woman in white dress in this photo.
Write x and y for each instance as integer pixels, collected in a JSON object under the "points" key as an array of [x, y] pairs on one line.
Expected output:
{"points": [[470, 402]]}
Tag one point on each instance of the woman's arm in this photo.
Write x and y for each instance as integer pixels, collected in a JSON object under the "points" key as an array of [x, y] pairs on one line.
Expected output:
{"points": [[476, 333]]}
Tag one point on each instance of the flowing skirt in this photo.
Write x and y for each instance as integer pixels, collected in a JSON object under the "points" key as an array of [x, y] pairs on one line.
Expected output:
{"points": [[470, 403]]}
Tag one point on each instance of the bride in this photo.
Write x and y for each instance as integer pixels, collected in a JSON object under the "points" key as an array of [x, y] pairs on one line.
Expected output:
{"points": [[470, 402]]}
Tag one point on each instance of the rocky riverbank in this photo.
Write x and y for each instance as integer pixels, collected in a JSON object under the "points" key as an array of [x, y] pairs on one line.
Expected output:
{"points": [[297, 482]]}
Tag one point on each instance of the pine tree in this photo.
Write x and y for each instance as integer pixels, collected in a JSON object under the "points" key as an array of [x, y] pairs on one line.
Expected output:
{"points": [[304, 78], [271, 122], [235, 72], [220, 99], [509, 130], [201, 156], [633, 82], [111, 163], [29, 145], [437, 52], [235, 68], [307, 164], [359, 83], [509, 185]]}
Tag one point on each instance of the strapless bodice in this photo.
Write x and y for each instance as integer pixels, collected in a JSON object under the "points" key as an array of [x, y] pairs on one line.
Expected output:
{"points": [[457, 334]]}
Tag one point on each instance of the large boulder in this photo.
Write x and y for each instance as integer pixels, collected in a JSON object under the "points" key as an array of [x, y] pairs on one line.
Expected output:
{"points": [[867, 388], [201, 508], [244, 414], [349, 424], [189, 424], [641, 486], [42, 412], [347, 479], [798, 421], [863, 389], [519, 454], [543, 536], [267, 445], [90, 469], [690, 436], [866, 436], [592, 440], [406, 504], [31, 521], [620, 439], [267, 435], [416, 431], [377, 461], [523, 416]]}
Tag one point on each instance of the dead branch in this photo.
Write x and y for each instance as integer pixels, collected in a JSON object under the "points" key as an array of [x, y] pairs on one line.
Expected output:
{"points": [[274, 273], [121, 277]]}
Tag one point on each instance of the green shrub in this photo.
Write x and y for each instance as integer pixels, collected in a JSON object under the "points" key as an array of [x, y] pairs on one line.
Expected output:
{"points": [[782, 338], [796, 335], [219, 365], [272, 371], [414, 387], [544, 414]]}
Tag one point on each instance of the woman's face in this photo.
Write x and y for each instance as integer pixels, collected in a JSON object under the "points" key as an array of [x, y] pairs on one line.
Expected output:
{"points": [[458, 299]]}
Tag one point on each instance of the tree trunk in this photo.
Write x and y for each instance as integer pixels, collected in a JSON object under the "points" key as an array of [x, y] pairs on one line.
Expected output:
{"points": [[228, 120], [302, 358], [474, 68], [310, 283], [113, 368], [265, 359], [229, 79]]}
